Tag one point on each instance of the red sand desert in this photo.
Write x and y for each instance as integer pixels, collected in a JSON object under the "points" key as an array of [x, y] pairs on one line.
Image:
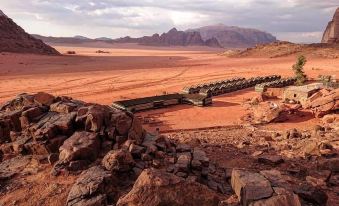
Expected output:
{"points": [[136, 71]]}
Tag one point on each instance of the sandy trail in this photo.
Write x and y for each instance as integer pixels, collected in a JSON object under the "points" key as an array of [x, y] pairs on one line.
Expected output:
{"points": [[129, 73]]}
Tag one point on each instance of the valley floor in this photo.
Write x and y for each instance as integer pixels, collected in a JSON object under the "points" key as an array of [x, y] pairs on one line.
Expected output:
{"points": [[138, 72]]}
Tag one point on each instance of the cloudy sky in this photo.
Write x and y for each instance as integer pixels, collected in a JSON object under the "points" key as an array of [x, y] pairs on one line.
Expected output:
{"points": [[293, 20]]}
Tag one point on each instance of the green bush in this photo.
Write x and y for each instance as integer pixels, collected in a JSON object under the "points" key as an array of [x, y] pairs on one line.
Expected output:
{"points": [[298, 69]]}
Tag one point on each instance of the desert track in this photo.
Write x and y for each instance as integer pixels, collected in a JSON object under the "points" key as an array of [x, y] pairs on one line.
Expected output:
{"points": [[130, 73]]}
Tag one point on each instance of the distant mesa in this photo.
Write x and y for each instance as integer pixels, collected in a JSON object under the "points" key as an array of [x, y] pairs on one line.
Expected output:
{"points": [[172, 38], [14, 39], [331, 34], [211, 36], [234, 37], [80, 37]]}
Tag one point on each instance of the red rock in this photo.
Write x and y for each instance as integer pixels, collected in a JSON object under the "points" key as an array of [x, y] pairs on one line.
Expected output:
{"points": [[270, 159], [154, 187], [93, 187], [14, 39], [37, 148], [122, 122], [80, 146], [184, 161], [249, 186], [31, 115], [43, 98], [323, 102], [136, 150], [118, 161], [331, 34], [136, 131], [63, 107]]}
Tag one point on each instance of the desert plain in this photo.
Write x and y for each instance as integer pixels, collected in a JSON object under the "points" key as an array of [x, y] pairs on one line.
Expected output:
{"points": [[132, 71]]}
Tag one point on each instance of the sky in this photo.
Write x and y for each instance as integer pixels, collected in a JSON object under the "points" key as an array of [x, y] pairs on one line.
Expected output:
{"points": [[290, 20]]}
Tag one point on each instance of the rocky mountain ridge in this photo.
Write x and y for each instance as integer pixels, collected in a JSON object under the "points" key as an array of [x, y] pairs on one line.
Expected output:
{"points": [[172, 38], [211, 36], [14, 39]]}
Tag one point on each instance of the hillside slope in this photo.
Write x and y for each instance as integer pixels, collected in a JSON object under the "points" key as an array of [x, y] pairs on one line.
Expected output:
{"points": [[14, 39]]}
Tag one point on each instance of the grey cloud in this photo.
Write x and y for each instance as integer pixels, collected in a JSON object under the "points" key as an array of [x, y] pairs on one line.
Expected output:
{"points": [[148, 16]]}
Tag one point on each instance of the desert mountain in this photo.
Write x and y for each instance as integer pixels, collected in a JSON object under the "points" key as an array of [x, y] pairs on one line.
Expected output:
{"points": [[14, 39], [284, 49], [62, 40], [173, 38], [234, 37], [103, 39], [81, 37], [331, 34]]}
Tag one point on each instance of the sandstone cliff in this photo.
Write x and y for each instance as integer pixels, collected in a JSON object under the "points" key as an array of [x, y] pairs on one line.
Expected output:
{"points": [[331, 34], [14, 39]]}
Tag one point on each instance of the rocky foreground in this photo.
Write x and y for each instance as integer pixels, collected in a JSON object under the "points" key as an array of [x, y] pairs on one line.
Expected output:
{"points": [[62, 151]]}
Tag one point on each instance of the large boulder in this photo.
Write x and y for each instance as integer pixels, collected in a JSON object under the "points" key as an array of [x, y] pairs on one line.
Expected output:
{"points": [[43, 98], [184, 161], [154, 187], [80, 146], [53, 124], [94, 117], [63, 107], [282, 198], [323, 102], [31, 115], [265, 112], [118, 161], [5, 129], [200, 159], [121, 122], [249, 186], [93, 188], [136, 131], [11, 167]]}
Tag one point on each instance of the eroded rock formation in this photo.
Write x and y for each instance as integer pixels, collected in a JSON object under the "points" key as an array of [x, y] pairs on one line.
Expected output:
{"points": [[331, 34], [116, 162]]}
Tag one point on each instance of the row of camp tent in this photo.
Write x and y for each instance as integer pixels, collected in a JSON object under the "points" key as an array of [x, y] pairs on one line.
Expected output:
{"points": [[228, 85], [195, 89], [275, 84]]}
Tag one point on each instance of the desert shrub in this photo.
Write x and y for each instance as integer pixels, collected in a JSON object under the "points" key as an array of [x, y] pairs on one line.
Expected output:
{"points": [[298, 69]]}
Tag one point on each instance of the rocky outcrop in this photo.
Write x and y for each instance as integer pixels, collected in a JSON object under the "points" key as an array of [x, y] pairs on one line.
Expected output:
{"points": [[331, 33], [14, 39], [91, 188], [41, 124], [154, 187], [116, 162], [323, 102], [234, 37]]}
